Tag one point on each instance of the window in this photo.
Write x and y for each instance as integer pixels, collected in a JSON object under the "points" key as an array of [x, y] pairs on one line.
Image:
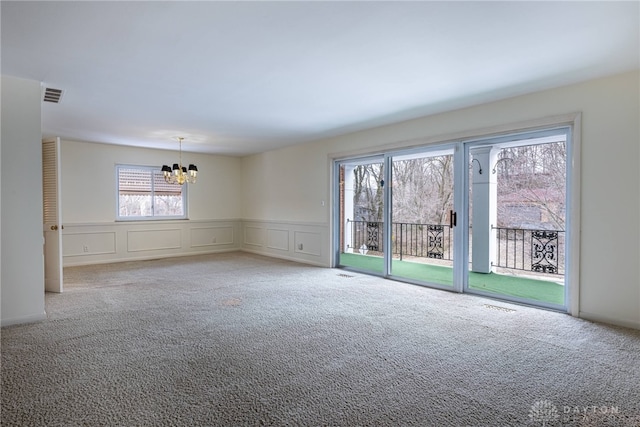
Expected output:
{"points": [[143, 194]]}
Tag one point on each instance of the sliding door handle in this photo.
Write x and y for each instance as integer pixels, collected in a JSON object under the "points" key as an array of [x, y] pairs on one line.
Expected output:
{"points": [[453, 218]]}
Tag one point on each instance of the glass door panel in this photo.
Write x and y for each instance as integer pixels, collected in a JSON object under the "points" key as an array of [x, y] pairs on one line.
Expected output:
{"points": [[422, 194], [361, 211], [516, 219]]}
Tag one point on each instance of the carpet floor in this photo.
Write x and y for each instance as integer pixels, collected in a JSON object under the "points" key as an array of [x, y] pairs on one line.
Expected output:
{"points": [[243, 340]]}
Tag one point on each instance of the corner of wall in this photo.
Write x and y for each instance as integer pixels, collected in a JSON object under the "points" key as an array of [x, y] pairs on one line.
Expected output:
{"points": [[294, 241], [22, 284]]}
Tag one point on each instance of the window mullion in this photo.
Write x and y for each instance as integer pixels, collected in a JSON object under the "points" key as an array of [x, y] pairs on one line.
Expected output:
{"points": [[153, 194]]}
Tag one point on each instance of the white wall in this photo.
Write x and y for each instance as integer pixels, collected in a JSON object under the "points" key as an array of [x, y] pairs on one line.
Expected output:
{"points": [[285, 200], [88, 190], [89, 180], [288, 184], [22, 288]]}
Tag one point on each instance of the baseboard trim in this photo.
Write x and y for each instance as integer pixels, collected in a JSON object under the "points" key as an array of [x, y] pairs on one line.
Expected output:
{"points": [[150, 257], [285, 257], [32, 318], [633, 324]]}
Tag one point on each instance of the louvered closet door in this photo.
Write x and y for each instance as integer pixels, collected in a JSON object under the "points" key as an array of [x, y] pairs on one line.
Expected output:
{"points": [[52, 216]]}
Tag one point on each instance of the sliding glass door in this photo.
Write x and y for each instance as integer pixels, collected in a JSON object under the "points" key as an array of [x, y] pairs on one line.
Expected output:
{"points": [[486, 216], [422, 216]]}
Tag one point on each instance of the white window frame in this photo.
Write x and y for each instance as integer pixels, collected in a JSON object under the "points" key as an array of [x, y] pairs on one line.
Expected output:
{"points": [[152, 217]]}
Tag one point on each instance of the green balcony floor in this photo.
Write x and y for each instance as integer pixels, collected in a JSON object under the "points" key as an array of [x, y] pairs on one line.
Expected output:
{"points": [[499, 284]]}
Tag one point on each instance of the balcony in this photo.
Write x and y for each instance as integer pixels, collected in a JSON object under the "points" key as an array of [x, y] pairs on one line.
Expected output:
{"points": [[527, 263]]}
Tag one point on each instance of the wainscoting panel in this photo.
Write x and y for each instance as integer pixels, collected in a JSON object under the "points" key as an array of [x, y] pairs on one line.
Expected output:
{"points": [[149, 240], [254, 236], [308, 243], [87, 244], [211, 236], [99, 243], [278, 239], [301, 242]]}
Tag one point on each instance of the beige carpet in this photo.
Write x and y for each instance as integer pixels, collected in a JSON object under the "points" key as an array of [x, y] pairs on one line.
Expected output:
{"points": [[237, 339]]}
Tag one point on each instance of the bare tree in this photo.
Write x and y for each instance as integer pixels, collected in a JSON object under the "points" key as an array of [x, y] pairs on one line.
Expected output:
{"points": [[368, 192], [532, 186], [422, 190]]}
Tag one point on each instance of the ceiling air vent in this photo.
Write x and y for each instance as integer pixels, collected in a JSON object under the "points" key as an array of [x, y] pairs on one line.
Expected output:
{"points": [[52, 95]]}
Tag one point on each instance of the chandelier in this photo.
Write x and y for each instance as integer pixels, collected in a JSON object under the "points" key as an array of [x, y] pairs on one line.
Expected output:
{"points": [[180, 174]]}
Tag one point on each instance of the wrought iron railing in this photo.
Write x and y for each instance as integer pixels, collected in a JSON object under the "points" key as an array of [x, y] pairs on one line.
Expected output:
{"points": [[540, 251], [408, 239]]}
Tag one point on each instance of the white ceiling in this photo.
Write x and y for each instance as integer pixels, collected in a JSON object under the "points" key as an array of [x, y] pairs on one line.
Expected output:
{"points": [[244, 77]]}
